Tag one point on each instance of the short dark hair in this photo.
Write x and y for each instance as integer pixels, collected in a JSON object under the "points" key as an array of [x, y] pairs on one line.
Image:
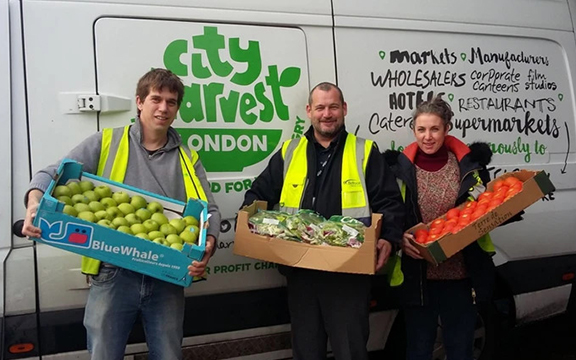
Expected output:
{"points": [[436, 106], [160, 79], [325, 86]]}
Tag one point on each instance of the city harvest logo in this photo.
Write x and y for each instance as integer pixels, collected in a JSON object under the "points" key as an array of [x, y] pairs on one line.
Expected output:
{"points": [[227, 83], [81, 236]]}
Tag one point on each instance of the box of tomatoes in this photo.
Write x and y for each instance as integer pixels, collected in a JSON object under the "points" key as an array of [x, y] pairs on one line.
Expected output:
{"points": [[503, 198]]}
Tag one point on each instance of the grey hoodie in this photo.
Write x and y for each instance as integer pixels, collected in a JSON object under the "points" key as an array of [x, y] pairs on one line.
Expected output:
{"points": [[159, 173]]}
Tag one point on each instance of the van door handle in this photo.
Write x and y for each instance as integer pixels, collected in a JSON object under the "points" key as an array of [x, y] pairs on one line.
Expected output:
{"points": [[17, 228]]}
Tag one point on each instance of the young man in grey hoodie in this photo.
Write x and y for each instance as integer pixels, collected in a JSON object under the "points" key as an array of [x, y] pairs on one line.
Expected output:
{"points": [[155, 152]]}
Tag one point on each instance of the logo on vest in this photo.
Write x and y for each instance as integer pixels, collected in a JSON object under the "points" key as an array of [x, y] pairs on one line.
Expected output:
{"points": [[352, 183]]}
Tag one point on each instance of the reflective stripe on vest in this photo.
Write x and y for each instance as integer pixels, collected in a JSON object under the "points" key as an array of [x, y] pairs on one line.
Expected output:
{"points": [[353, 183], [115, 145]]}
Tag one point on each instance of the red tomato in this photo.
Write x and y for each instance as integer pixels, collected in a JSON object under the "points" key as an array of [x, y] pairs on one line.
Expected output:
{"points": [[451, 222], [448, 228], [495, 202], [453, 213], [421, 232], [483, 202], [435, 230], [464, 219], [478, 212], [438, 223], [498, 184], [511, 180], [432, 238], [470, 205], [485, 195]]}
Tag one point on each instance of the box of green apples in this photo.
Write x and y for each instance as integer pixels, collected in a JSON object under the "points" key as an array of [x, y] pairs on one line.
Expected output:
{"points": [[122, 225]]}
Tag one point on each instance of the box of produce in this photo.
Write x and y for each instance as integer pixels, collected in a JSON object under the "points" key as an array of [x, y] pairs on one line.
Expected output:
{"points": [[122, 225], [307, 240], [504, 197]]}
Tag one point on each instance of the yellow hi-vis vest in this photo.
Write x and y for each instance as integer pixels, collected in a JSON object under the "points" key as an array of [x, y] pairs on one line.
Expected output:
{"points": [[354, 160], [393, 268], [114, 162]]}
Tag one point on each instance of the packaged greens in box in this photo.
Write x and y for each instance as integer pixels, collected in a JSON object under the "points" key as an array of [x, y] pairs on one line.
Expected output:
{"points": [[309, 227], [343, 231]]}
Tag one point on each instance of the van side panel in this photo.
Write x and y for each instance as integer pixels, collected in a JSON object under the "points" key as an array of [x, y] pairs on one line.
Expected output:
{"points": [[511, 86]]}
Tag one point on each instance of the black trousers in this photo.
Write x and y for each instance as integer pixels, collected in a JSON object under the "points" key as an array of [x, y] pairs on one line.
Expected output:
{"points": [[326, 305]]}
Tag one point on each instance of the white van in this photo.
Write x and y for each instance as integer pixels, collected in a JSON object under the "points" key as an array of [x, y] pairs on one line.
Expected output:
{"points": [[69, 68]]}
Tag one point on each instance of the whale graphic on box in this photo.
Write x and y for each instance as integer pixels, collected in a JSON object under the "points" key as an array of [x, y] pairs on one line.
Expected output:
{"points": [[73, 234]]}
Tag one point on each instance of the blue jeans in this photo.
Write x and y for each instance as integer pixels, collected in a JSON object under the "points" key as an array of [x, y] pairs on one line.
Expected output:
{"points": [[117, 296], [451, 301]]}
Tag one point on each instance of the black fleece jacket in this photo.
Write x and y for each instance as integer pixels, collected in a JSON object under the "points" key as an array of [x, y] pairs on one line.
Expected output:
{"points": [[383, 193]]}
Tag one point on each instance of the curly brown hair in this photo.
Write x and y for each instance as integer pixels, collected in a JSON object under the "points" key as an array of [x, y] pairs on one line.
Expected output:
{"points": [[436, 106]]}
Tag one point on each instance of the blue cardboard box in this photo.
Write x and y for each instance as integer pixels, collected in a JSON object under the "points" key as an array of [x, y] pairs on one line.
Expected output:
{"points": [[127, 251]]}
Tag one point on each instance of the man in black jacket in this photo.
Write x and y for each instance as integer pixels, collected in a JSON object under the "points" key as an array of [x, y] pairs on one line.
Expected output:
{"points": [[327, 304]]}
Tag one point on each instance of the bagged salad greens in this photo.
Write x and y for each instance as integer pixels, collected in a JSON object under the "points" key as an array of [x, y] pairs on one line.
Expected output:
{"points": [[343, 231], [309, 227], [271, 223]]}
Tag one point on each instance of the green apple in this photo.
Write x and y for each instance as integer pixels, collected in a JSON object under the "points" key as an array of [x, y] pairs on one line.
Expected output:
{"points": [[96, 206], [74, 187], [143, 236], [114, 212], [159, 241], [168, 229], [103, 214], [137, 228], [80, 198], [125, 229], [70, 210], [62, 190], [190, 220], [173, 239], [88, 216], [121, 197], [86, 185], [132, 219], [156, 234], [120, 221], [138, 202], [108, 202], [80, 207], [155, 207], [106, 223], [189, 236], [143, 214], [159, 217], [126, 208], [151, 225], [65, 199], [90, 194], [103, 191], [178, 224], [177, 246]]}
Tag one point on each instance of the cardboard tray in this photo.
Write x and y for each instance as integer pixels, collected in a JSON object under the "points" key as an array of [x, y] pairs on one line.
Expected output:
{"points": [[536, 185], [320, 257], [85, 238]]}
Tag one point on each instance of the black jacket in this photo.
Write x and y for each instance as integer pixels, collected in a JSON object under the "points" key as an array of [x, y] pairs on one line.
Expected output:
{"points": [[479, 265], [383, 193]]}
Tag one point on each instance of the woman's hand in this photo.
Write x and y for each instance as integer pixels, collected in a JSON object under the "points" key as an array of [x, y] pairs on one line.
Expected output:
{"points": [[408, 248]]}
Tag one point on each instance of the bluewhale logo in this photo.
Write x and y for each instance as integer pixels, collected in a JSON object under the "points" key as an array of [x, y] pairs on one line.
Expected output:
{"points": [[73, 234]]}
